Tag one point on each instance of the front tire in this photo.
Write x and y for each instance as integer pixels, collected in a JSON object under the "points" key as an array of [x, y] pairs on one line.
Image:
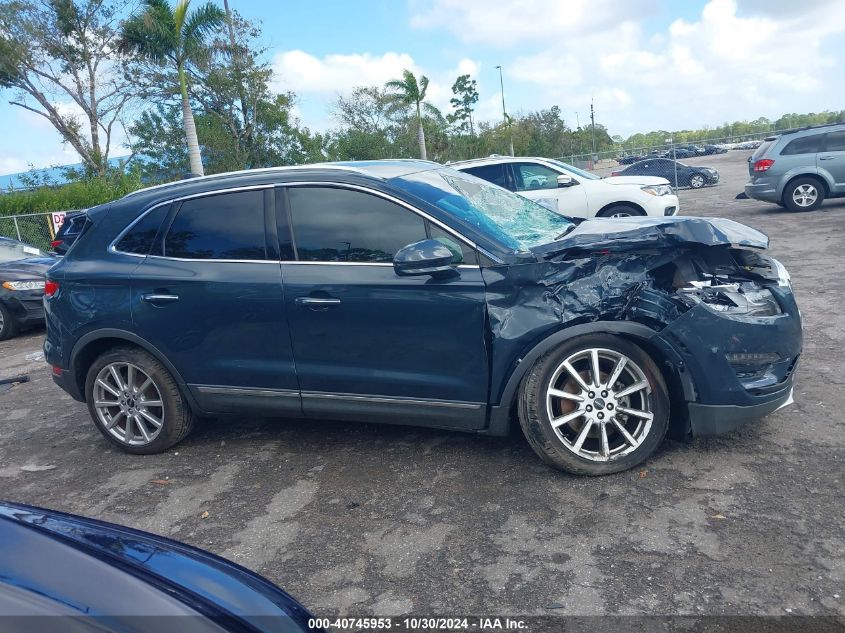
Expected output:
{"points": [[620, 211], [803, 194], [8, 326], [697, 181], [135, 402], [595, 405]]}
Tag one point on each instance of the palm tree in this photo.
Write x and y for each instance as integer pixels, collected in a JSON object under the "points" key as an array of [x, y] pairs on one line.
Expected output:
{"points": [[407, 92], [165, 35]]}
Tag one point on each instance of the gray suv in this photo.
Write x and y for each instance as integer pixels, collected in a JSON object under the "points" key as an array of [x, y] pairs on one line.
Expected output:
{"points": [[798, 170]]}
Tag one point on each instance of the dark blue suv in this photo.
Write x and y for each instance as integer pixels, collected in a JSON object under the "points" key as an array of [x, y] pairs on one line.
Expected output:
{"points": [[409, 293]]}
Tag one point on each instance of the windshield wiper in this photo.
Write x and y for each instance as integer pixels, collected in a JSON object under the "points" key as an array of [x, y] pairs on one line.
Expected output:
{"points": [[566, 232]]}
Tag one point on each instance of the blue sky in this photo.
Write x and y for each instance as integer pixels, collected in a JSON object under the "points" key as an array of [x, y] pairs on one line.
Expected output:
{"points": [[647, 64]]}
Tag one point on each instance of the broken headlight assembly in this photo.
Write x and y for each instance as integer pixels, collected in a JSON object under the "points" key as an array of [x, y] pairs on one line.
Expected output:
{"points": [[741, 299]]}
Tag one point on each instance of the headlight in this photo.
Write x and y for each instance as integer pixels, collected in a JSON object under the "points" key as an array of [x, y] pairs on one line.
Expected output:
{"points": [[738, 299], [23, 285], [784, 280], [658, 190]]}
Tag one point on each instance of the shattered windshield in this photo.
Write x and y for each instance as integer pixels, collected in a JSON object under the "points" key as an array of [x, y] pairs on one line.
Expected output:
{"points": [[514, 221]]}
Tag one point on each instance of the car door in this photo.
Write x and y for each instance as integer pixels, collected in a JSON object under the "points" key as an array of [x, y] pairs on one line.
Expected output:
{"points": [[369, 344], [832, 159], [539, 183], [209, 297]]}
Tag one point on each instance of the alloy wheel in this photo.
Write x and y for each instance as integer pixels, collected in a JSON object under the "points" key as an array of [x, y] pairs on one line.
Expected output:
{"points": [[128, 404], [697, 181], [805, 195], [599, 405]]}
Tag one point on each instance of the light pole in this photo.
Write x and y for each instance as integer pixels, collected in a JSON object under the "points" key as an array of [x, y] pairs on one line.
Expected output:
{"points": [[505, 112], [671, 140]]}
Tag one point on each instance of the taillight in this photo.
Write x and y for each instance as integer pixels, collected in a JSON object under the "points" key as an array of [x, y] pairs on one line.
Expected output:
{"points": [[614, 173], [764, 164], [55, 243], [51, 288]]}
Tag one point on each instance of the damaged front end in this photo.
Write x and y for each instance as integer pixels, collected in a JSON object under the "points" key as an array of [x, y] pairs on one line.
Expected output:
{"points": [[718, 311]]}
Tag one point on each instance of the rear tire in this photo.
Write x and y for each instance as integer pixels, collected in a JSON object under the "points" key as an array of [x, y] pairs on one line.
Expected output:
{"points": [[8, 325], [620, 211], [595, 435], [135, 402], [803, 194]]}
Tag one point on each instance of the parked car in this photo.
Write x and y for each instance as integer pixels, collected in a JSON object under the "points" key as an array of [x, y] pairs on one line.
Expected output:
{"points": [[68, 232], [574, 192], [695, 176], [101, 577], [406, 292], [680, 152], [22, 273], [714, 149], [629, 160], [800, 169]]}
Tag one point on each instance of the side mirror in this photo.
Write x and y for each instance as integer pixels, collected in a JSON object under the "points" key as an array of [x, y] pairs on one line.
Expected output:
{"points": [[428, 257], [565, 181]]}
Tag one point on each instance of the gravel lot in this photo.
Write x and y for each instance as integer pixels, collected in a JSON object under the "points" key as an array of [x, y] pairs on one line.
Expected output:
{"points": [[378, 519]]}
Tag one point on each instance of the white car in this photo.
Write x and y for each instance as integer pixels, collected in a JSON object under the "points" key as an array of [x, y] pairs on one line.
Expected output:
{"points": [[573, 192]]}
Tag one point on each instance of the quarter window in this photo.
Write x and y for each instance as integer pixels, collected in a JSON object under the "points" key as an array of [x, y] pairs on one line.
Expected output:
{"points": [[140, 238], [222, 226], [339, 225], [805, 145], [531, 176]]}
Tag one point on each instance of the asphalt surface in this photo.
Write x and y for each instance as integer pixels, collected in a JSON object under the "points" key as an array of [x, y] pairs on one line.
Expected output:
{"points": [[370, 519]]}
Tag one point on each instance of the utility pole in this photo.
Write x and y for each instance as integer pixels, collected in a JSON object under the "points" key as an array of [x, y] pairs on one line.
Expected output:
{"points": [[593, 127], [504, 112]]}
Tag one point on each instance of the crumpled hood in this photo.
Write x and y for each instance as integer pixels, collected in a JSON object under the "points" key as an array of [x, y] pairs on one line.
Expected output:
{"points": [[623, 234], [635, 180], [34, 267]]}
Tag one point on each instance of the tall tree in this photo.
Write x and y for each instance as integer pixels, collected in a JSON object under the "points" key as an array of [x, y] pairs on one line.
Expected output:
{"points": [[175, 36], [407, 92], [60, 59], [466, 96]]}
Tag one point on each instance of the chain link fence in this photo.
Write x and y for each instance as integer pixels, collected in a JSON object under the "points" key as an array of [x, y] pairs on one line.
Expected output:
{"points": [[35, 229]]}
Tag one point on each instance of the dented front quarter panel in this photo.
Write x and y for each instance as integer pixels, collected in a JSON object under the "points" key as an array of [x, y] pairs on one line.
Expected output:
{"points": [[620, 271]]}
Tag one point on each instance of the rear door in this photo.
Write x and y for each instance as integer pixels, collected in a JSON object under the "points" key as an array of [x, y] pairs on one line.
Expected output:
{"points": [[370, 344], [832, 159], [209, 297]]}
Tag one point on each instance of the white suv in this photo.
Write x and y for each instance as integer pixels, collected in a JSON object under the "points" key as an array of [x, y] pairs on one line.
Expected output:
{"points": [[573, 192]]}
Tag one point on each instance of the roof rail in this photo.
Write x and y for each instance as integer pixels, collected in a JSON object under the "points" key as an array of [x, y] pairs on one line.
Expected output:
{"points": [[242, 172]]}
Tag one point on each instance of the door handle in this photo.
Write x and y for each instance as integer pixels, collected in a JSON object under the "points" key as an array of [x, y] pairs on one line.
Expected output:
{"points": [[156, 297], [319, 302]]}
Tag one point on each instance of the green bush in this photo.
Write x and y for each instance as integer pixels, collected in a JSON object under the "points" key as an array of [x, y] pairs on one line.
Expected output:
{"points": [[79, 194]]}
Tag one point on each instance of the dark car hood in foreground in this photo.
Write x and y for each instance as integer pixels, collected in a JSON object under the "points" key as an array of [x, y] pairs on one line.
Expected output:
{"points": [[34, 267], [646, 233], [53, 563]]}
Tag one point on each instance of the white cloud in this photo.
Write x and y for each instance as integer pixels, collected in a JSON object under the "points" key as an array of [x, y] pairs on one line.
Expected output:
{"points": [[736, 59], [10, 165], [304, 73]]}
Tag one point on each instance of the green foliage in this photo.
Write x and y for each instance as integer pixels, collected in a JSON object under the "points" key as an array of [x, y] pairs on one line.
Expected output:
{"points": [[466, 96], [81, 194]]}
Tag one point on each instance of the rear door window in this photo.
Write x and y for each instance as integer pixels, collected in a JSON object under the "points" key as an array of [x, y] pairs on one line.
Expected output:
{"points": [[491, 173], [805, 145], [835, 141], [221, 226]]}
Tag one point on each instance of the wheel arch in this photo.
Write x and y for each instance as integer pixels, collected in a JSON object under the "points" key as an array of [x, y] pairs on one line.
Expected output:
{"points": [[788, 178], [667, 358], [622, 203], [93, 344]]}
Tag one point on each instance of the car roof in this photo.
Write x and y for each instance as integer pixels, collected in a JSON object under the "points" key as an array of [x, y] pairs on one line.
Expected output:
{"points": [[493, 160], [380, 169]]}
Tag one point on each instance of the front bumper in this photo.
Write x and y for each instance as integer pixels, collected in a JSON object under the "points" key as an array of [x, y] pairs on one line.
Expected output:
{"points": [[662, 206], [720, 396], [27, 306]]}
